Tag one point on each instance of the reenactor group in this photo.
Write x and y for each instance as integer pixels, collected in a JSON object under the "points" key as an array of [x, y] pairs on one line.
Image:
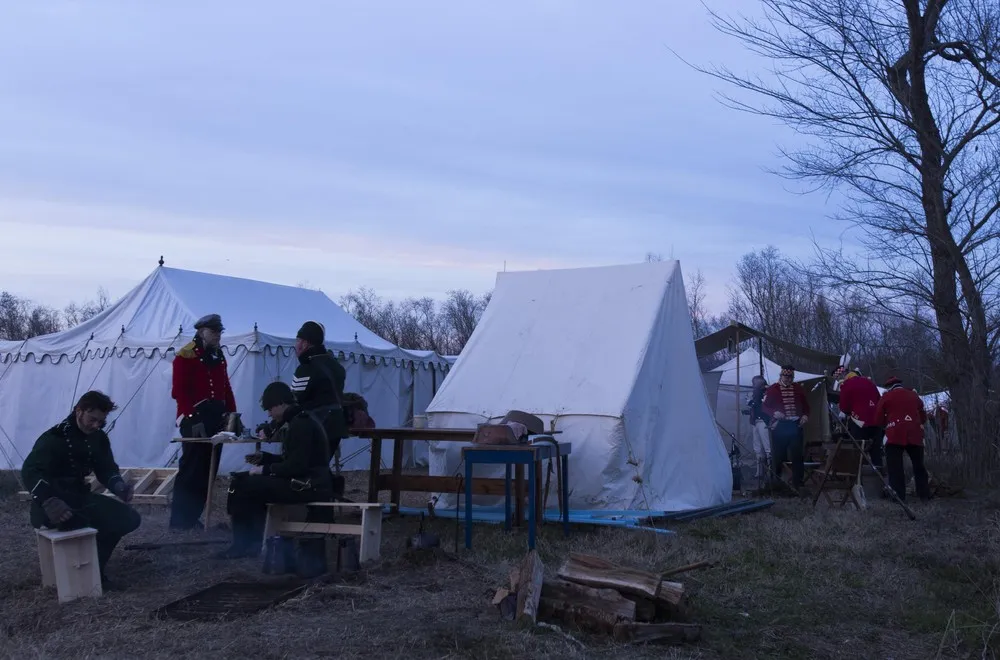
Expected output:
{"points": [[308, 417], [887, 425]]}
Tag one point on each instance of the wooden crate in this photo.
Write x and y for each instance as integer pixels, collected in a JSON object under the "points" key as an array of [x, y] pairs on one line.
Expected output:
{"points": [[152, 485]]}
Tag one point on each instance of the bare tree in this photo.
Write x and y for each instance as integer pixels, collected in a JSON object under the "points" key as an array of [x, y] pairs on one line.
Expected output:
{"points": [[702, 322], [462, 311], [20, 319], [74, 314], [902, 98]]}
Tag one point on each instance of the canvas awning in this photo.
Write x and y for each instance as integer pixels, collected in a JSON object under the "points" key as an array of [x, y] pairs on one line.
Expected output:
{"points": [[736, 332]]}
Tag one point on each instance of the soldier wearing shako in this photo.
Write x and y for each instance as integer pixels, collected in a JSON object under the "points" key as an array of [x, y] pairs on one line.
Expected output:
{"points": [[300, 474], [55, 474], [204, 398], [318, 385]]}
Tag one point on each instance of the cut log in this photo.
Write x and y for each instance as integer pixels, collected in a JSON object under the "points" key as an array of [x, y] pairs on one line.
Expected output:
{"points": [[672, 602], [674, 633], [671, 592], [592, 609], [645, 609], [529, 590], [602, 574], [515, 577]]}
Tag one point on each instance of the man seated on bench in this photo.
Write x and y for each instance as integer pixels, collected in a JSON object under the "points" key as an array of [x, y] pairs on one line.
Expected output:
{"points": [[300, 474], [55, 474]]}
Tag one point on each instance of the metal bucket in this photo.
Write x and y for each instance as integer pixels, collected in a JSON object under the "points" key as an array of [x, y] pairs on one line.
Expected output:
{"points": [[279, 555]]}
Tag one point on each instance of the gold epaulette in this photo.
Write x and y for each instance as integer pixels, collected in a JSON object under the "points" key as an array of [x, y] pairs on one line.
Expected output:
{"points": [[187, 351]]}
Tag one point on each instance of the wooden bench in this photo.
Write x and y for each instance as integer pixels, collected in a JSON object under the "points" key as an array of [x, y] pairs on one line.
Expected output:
{"points": [[69, 562], [283, 519]]}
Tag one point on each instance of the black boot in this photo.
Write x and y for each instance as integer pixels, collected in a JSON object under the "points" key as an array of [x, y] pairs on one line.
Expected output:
{"points": [[245, 545]]}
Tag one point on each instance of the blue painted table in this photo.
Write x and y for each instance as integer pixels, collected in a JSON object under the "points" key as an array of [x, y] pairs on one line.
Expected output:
{"points": [[509, 455]]}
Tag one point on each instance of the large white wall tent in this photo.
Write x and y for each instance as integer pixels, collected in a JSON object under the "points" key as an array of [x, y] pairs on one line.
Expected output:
{"points": [[127, 350], [607, 355]]}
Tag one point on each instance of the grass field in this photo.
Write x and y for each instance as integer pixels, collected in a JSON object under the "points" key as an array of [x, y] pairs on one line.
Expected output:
{"points": [[789, 582]]}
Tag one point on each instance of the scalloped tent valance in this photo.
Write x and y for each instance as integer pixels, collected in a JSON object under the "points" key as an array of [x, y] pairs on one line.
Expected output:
{"points": [[158, 315]]}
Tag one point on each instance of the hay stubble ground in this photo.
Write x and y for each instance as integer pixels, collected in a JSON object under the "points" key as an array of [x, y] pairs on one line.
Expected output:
{"points": [[789, 582]]}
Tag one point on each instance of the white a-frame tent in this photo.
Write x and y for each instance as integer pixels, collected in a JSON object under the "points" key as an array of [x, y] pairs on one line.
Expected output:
{"points": [[127, 350], [606, 354]]}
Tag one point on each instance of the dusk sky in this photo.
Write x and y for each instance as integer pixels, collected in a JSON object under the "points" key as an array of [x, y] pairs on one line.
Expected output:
{"points": [[411, 147]]}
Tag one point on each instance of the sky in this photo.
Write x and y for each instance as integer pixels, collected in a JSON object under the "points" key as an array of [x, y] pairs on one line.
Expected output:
{"points": [[409, 147]]}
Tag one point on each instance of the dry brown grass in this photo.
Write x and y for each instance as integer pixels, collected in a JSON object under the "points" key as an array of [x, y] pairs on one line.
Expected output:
{"points": [[789, 582]]}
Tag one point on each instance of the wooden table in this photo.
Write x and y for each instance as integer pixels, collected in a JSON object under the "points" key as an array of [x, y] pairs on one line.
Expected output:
{"points": [[510, 455], [214, 464], [396, 481]]}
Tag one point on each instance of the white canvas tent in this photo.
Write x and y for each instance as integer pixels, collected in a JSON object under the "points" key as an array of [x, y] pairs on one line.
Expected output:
{"points": [[605, 354], [127, 350], [729, 403]]}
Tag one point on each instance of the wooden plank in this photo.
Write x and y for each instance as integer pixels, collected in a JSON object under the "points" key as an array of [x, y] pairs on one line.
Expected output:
{"points": [[166, 486], [529, 589], [410, 433], [320, 528], [600, 573], [427, 484], [144, 482]]}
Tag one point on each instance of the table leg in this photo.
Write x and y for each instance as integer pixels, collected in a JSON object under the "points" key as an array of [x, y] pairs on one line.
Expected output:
{"points": [[518, 495], [397, 471], [374, 469], [565, 493], [468, 503], [212, 467], [506, 497], [539, 501], [532, 478]]}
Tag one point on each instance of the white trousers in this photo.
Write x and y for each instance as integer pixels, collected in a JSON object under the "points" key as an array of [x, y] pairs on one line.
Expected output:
{"points": [[761, 439]]}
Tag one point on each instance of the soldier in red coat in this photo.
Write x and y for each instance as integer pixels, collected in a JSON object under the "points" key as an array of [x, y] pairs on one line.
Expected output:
{"points": [[859, 397], [901, 412], [204, 398], [786, 403]]}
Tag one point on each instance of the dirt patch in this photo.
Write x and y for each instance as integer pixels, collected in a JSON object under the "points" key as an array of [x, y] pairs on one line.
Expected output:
{"points": [[789, 582]]}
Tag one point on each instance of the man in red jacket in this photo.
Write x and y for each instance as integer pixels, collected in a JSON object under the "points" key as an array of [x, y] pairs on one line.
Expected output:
{"points": [[902, 414], [786, 403], [859, 397], [204, 398]]}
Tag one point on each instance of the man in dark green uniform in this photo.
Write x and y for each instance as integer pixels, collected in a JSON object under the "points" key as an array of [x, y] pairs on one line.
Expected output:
{"points": [[300, 474], [318, 385], [55, 474]]}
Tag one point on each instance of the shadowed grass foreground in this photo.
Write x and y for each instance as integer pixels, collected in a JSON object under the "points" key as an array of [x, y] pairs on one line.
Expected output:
{"points": [[789, 582]]}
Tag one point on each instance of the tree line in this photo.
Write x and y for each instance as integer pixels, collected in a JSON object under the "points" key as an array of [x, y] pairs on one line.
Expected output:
{"points": [[21, 319], [768, 291]]}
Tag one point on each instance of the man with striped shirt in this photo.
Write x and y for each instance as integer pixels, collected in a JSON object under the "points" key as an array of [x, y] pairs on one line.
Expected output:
{"points": [[786, 403], [318, 385]]}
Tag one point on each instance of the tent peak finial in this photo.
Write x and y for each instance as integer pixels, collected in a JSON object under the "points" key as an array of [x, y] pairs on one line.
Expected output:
{"points": [[161, 261]]}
